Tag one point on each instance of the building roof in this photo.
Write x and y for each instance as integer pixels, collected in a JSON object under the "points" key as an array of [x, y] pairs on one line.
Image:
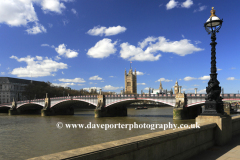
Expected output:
{"points": [[15, 80]]}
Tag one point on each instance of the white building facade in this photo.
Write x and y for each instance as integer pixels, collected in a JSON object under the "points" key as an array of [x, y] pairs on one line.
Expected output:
{"points": [[12, 88]]}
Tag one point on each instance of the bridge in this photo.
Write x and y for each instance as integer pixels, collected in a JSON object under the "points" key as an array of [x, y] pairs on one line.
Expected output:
{"points": [[109, 105]]}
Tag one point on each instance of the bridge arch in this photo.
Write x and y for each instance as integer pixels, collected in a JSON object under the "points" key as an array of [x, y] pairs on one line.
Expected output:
{"points": [[131, 100], [70, 102], [4, 108], [29, 108], [29, 104]]}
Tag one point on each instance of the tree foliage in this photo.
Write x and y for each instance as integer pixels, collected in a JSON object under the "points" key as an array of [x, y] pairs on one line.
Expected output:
{"points": [[38, 90]]}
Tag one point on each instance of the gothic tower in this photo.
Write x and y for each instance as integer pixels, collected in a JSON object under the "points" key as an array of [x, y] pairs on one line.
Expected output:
{"points": [[130, 82], [176, 88], [160, 87]]}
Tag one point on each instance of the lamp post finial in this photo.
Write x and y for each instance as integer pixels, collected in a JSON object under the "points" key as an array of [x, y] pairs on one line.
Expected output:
{"points": [[212, 12]]}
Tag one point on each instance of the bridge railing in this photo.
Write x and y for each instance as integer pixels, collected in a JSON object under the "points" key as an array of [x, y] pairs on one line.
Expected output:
{"points": [[230, 95], [3, 104], [140, 95]]}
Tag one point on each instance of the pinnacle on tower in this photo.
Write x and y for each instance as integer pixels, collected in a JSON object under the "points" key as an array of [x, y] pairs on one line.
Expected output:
{"points": [[160, 86]]}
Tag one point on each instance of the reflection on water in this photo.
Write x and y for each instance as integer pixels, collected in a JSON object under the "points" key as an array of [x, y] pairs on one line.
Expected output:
{"points": [[26, 136]]}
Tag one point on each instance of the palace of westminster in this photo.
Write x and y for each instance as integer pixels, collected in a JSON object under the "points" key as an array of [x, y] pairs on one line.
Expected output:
{"points": [[13, 87], [131, 85]]}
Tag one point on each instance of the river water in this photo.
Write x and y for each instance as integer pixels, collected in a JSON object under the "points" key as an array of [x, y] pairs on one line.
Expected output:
{"points": [[27, 136]]}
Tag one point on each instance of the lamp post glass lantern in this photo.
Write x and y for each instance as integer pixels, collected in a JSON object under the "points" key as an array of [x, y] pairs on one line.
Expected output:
{"points": [[214, 103]]}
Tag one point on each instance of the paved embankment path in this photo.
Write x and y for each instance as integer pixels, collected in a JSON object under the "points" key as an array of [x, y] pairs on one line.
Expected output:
{"points": [[230, 151]]}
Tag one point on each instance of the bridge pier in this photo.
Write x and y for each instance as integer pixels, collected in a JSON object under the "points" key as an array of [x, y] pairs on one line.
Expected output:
{"points": [[13, 112], [111, 112], [180, 113]]}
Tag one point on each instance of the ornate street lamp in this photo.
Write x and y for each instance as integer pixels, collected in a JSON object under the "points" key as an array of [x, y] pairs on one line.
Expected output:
{"points": [[214, 103]]}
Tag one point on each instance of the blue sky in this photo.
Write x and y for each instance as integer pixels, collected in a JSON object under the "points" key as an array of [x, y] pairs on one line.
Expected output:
{"points": [[89, 43]]}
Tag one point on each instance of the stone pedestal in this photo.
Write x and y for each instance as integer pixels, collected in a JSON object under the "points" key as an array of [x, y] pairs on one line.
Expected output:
{"points": [[223, 132], [227, 108]]}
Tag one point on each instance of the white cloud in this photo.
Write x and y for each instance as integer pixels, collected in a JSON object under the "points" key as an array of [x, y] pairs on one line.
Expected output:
{"points": [[141, 83], [50, 25], [147, 41], [111, 76], [189, 78], [62, 72], [154, 45], [114, 30], [189, 89], [139, 73], [102, 49], [202, 91], [37, 67], [219, 69], [95, 78], [45, 45], [17, 12], [65, 21], [109, 87], [195, 85], [171, 4], [231, 78], [57, 58], [187, 4], [133, 53], [183, 36], [163, 80], [52, 6], [22, 12], [62, 51], [98, 88], [74, 11], [100, 31], [2, 73], [183, 89], [201, 8], [233, 68], [204, 78], [97, 31], [75, 80], [38, 28], [63, 84], [197, 42], [147, 88]]}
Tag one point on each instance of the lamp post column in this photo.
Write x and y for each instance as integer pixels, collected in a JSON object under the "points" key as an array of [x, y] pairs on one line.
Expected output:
{"points": [[214, 103]]}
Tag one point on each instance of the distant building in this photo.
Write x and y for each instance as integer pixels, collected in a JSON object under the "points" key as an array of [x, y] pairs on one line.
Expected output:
{"points": [[92, 90], [160, 90], [12, 88], [130, 82]]}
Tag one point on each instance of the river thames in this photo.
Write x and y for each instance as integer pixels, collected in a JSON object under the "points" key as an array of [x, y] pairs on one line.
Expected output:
{"points": [[27, 136]]}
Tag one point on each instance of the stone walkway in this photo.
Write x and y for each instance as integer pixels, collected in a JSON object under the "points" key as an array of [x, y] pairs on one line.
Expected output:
{"points": [[230, 151]]}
